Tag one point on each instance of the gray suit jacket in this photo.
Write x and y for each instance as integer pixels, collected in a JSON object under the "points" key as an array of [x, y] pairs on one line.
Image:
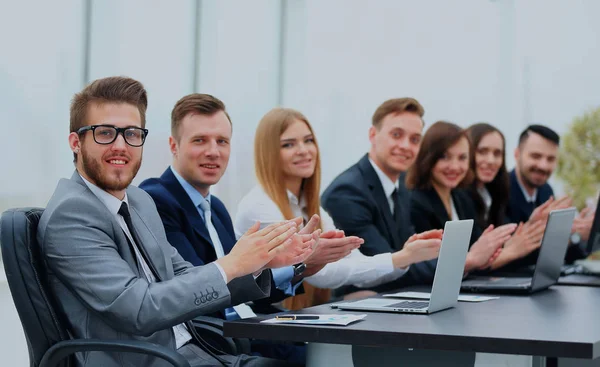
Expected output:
{"points": [[102, 292]]}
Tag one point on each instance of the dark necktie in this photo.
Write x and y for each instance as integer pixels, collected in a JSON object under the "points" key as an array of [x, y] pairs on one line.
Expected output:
{"points": [[396, 200], [124, 212]]}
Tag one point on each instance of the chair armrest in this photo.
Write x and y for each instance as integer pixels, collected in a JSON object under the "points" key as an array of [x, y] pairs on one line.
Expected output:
{"points": [[65, 348], [211, 330]]}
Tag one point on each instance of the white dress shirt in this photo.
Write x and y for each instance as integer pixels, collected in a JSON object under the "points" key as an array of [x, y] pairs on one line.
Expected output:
{"points": [[453, 210], [355, 269], [487, 200], [182, 335], [386, 183]]}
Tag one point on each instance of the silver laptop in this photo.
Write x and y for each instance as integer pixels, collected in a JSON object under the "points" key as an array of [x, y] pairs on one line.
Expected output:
{"points": [[547, 269], [446, 282]]}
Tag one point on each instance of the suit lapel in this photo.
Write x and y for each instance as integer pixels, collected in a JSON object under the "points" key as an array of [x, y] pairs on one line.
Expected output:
{"points": [[170, 182], [152, 252], [381, 200], [142, 231], [438, 206]]}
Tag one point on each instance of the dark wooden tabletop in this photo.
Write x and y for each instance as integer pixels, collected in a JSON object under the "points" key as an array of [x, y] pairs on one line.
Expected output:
{"points": [[558, 322]]}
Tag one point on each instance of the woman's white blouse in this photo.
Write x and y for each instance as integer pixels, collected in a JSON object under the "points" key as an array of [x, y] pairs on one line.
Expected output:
{"points": [[354, 269]]}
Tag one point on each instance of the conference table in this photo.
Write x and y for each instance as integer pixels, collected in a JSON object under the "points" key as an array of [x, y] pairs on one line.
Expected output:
{"points": [[551, 325]]}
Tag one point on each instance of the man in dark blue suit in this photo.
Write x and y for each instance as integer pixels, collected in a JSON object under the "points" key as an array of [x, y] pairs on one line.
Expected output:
{"points": [[536, 158], [196, 222], [369, 199]]}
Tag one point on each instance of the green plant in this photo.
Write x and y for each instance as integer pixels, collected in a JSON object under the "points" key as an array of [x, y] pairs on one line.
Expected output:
{"points": [[579, 159]]}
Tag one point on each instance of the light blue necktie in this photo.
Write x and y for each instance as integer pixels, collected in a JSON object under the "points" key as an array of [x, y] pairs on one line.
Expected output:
{"points": [[214, 236]]}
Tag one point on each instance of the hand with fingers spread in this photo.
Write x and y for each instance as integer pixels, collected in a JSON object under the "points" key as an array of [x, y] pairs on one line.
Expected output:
{"points": [[527, 238], [257, 248], [482, 252], [419, 247], [295, 251], [583, 224]]}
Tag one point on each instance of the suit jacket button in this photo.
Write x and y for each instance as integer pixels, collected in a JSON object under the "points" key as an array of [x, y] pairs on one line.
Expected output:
{"points": [[197, 302]]}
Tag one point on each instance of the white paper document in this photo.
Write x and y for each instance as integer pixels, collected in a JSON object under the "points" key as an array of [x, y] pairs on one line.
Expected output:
{"points": [[244, 311], [425, 295], [334, 319]]}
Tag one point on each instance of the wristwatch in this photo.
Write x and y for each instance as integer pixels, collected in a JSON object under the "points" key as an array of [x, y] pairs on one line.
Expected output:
{"points": [[299, 269], [575, 238]]}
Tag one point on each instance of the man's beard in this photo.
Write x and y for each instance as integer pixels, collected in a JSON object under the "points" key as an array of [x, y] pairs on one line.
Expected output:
{"points": [[529, 182], [93, 170]]}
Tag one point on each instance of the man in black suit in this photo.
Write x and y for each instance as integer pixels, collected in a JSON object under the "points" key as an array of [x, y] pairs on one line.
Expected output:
{"points": [[536, 158], [369, 199]]}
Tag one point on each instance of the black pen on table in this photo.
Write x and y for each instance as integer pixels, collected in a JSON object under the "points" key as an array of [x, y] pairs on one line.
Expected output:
{"points": [[296, 317]]}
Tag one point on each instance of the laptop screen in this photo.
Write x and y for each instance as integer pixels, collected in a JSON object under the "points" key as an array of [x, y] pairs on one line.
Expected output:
{"points": [[594, 240], [553, 248]]}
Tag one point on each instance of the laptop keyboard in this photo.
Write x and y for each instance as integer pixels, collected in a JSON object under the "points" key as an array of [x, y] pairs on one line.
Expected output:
{"points": [[511, 281], [410, 304]]}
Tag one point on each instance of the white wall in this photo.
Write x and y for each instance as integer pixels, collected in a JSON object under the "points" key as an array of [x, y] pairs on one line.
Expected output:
{"points": [[507, 62]]}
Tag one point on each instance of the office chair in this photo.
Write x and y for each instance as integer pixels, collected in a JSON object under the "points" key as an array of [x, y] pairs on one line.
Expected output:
{"points": [[47, 339]]}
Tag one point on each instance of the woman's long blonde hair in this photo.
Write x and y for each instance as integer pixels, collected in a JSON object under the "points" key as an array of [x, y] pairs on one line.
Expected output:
{"points": [[267, 162]]}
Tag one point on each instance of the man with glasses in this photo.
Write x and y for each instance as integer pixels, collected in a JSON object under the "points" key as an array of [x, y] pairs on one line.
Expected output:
{"points": [[109, 264]]}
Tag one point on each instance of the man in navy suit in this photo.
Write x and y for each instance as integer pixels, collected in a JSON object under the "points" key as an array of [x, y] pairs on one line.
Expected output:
{"points": [[196, 222], [536, 158]]}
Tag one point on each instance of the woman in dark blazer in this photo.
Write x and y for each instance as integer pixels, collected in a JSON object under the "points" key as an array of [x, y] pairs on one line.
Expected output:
{"points": [[489, 193], [440, 171]]}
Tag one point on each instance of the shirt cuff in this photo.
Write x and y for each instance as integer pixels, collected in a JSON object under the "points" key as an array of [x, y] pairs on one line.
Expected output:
{"points": [[222, 271], [282, 277]]}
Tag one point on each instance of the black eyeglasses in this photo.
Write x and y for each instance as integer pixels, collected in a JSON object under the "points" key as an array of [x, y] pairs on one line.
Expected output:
{"points": [[106, 134]]}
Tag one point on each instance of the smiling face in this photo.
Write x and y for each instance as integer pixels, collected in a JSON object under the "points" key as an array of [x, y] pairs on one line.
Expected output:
{"points": [[453, 166], [113, 166], [536, 160], [489, 156], [395, 144], [202, 152], [298, 151]]}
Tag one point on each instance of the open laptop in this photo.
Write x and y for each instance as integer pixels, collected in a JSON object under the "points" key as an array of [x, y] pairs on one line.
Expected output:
{"points": [[446, 282], [549, 262], [586, 271]]}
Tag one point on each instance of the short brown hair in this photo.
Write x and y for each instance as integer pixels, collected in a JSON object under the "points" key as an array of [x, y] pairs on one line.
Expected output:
{"points": [[196, 103], [396, 106], [115, 89], [437, 140]]}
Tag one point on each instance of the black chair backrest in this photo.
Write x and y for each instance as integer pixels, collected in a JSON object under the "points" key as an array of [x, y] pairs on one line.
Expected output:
{"points": [[26, 275]]}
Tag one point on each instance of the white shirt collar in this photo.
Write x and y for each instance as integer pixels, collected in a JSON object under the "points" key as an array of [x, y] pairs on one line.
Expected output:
{"points": [[485, 196], [194, 194], [388, 185], [295, 202], [112, 203], [528, 198]]}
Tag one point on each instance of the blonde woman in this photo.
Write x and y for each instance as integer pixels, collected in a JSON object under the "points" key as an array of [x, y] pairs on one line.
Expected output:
{"points": [[288, 169]]}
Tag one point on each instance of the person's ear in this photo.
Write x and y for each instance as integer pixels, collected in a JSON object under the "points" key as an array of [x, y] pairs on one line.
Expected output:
{"points": [[173, 146], [74, 142]]}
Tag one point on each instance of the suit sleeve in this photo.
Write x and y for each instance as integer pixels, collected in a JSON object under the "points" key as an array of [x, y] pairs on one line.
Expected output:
{"points": [[351, 212], [79, 247]]}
